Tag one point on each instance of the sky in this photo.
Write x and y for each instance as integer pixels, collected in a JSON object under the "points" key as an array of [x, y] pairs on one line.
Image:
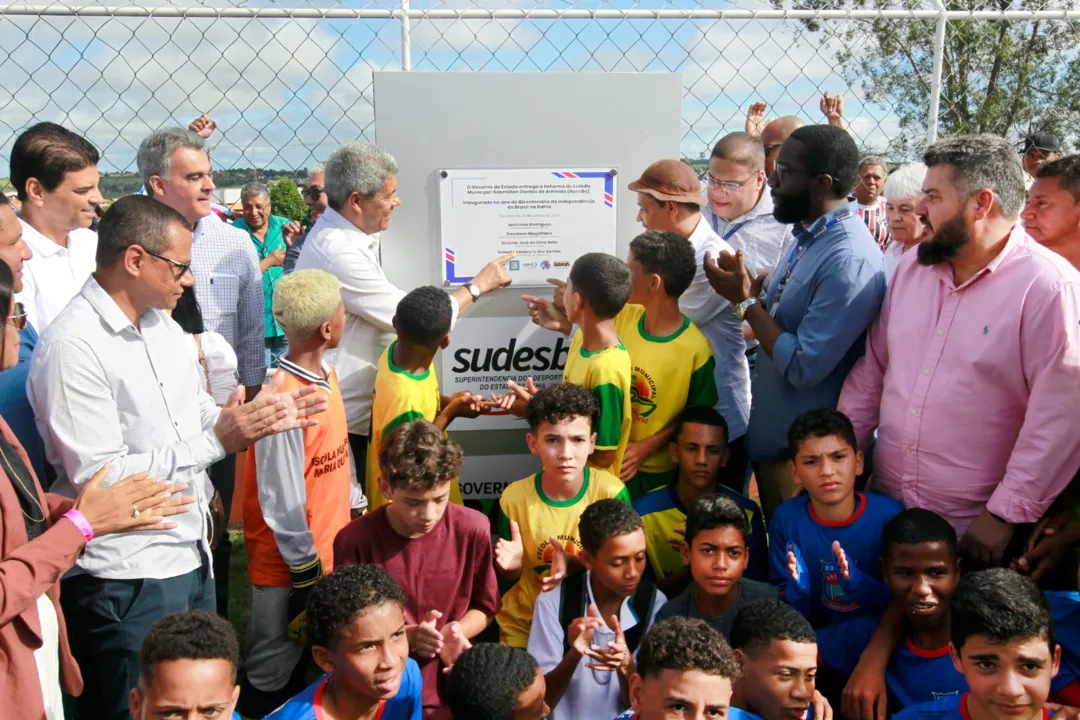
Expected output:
{"points": [[287, 92]]}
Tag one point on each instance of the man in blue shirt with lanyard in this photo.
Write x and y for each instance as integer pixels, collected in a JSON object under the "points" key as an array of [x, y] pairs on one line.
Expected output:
{"points": [[812, 311]]}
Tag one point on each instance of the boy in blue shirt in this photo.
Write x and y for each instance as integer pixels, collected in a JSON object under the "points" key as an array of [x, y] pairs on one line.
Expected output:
{"points": [[1003, 642], [921, 567], [356, 626], [825, 543], [700, 451], [778, 655]]}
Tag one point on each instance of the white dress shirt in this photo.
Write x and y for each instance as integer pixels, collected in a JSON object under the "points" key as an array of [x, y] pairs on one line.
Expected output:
{"points": [[104, 391], [716, 319], [55, 274], [591, 693], [228, 286], [757, 233], [340, 248]]}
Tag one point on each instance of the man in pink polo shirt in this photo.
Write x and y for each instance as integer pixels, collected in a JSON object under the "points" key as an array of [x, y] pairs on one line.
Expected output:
{"points": [[972, 371]]}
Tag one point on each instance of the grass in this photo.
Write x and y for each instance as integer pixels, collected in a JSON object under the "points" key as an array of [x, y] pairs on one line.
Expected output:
{"points": [[239, 592]]}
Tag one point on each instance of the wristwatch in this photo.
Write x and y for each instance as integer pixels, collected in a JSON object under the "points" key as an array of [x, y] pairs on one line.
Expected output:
{"points": [[473, 290], [741, 308]]}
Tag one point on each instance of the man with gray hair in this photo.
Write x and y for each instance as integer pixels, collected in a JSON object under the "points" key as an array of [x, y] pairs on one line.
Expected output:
{"points": [[175, 169], [315, 199], [113, 387], [869, 201], [271, 235], [972, 371], [361, 194]]}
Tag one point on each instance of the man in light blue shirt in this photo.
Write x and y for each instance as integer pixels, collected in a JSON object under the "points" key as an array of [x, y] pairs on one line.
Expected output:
{"points": [[817, 303]]}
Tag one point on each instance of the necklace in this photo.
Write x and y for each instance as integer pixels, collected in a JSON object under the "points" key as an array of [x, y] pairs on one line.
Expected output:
{"points": [[29, 492]]}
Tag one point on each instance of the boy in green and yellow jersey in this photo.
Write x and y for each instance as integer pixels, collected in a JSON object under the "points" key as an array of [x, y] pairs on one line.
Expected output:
{"points": [[672, 361], [405, 385], [536, 519], [595, 293]]}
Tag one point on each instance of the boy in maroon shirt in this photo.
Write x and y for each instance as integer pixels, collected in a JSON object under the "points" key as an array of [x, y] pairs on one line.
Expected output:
{"points": [[440, 553]]}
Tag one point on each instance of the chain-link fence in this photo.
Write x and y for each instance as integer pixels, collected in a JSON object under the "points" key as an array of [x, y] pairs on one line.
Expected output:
{"points": [[289, 81]]}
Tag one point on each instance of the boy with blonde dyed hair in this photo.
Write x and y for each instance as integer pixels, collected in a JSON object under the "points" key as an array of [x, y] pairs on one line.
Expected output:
{"points": [[297, 496]]}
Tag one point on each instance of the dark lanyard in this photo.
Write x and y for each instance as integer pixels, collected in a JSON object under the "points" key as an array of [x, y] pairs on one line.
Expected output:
{"points": [[730, 231]]}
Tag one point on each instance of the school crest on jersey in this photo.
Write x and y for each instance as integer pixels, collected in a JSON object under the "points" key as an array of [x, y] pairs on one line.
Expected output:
{"points": [[939, 695], [832, 591], [642, 395]]}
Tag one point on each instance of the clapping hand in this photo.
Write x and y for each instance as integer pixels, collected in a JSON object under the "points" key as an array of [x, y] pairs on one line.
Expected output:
{"points": [[454, 643], [729, 277], [428, 641], [580, 632], [290, 232], [616, 656], [271, 411], [509, 553], [560, 563], [135, 503]]}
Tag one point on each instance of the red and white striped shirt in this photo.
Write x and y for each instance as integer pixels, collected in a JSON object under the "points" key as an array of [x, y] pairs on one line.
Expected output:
{"points": [[874, 217]]}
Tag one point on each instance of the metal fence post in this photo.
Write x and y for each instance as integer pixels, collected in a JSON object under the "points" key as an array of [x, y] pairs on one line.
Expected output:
{"points": [[935, 84], [406, 37]]}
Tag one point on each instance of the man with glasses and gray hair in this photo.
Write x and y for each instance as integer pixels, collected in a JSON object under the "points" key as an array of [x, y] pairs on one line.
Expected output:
{"points": [[361, 195], [971, 374], [113, 386]]}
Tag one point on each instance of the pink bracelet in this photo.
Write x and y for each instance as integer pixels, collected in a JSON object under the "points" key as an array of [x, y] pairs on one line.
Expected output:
{"points": [[80, 522]]}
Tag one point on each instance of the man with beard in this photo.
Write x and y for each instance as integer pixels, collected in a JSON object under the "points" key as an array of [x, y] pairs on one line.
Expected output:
{"points": [[810, 315], [972, 372]]}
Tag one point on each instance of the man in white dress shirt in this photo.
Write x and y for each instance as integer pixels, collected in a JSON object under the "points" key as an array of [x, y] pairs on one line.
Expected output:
{"points": [[228, 284], [361, 192], [112, 384], [669, 198], [55, 174]]}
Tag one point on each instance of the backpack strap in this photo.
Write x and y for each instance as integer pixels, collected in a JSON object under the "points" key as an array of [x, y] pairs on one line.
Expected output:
{"points": [[643, 602], [572, 601]]}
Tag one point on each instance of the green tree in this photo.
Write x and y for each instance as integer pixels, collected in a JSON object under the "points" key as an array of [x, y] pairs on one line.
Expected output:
{"points": [[1008, 78], [286, 200]]}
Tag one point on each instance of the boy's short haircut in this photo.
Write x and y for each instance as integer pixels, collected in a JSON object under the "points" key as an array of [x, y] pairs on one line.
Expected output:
{"points": [[916, 526], [418, 456], [339, 597], [763, 622], [304, 300], [714, 511], [700, 415], [195, 635], [561, 401], [685, 645], [487, 679], [604, 519], [424, 316], [669, 255], [1002, 605], [603, 281], [818, 424]]}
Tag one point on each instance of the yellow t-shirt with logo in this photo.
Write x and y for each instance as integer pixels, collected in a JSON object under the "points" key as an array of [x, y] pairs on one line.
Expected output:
{"points": [[400, 397], [669, 374], [607, 374], [539, 518]]}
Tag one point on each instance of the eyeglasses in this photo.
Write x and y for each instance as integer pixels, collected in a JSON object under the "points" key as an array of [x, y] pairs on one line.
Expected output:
{"points": [[725, 185], [18, 318], [313, 191], [182, 267], [782, 170]]}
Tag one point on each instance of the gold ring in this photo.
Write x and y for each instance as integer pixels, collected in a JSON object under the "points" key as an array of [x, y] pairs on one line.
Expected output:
{"points": [[134, 511]]}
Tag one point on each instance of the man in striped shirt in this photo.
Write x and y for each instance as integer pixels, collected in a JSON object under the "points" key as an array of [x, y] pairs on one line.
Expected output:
{"points": [[870, 203]]}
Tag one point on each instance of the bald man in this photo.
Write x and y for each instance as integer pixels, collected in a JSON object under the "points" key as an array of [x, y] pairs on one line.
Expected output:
{"points": [[773, 136]]}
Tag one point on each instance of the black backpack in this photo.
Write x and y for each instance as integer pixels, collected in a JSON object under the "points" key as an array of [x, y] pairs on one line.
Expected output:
{"points": [[574, 597]]}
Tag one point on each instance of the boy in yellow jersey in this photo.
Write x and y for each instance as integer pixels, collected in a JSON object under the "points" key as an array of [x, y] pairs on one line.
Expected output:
{"points": [[296, 497], [405, 385], [595, 293], [536, 519], [672, 361]]}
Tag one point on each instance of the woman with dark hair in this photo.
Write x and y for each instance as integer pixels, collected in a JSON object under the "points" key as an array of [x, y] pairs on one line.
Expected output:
{"points": [[41, 537]]}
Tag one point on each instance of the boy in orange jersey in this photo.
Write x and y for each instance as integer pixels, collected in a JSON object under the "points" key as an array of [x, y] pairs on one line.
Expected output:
{"points": [[296, 499]]}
